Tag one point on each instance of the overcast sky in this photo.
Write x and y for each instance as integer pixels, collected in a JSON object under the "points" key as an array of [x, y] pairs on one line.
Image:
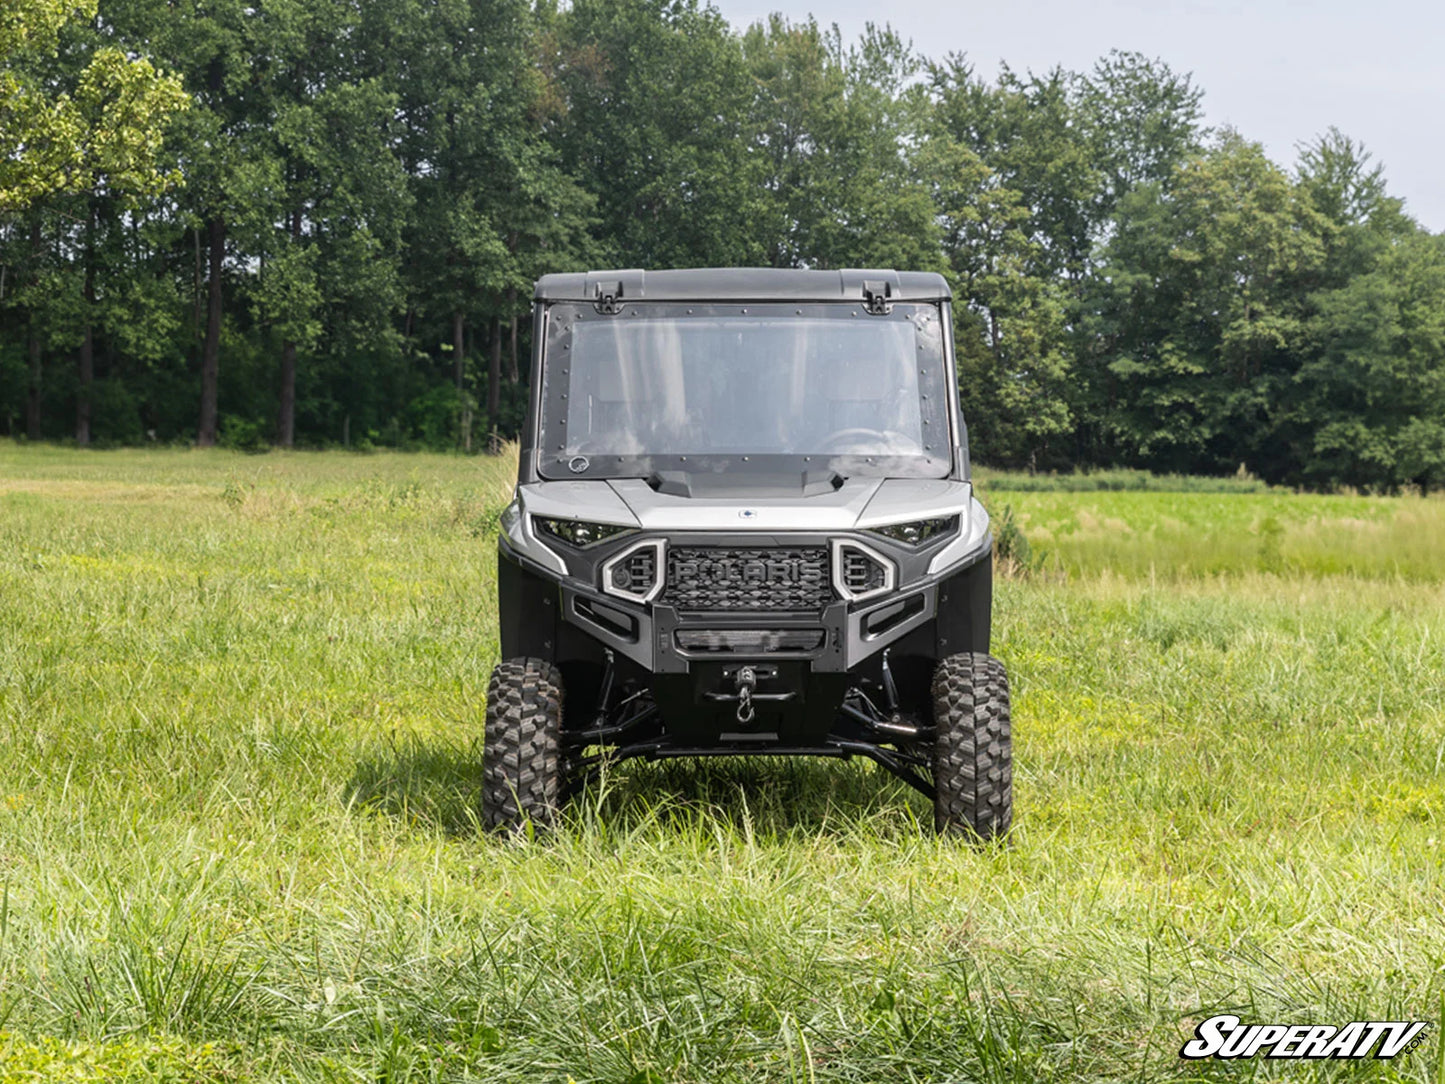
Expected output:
{"points": [[1280, 71]]}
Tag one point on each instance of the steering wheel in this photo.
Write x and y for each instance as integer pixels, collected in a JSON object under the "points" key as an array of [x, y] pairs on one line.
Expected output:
{"points": [[882, 436]]}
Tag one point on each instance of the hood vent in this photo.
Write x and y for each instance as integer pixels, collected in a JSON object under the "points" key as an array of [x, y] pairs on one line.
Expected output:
{"points": [[677, 483]]}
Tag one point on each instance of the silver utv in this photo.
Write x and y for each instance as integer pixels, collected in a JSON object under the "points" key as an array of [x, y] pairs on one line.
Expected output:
{"points": [[744, 525]]}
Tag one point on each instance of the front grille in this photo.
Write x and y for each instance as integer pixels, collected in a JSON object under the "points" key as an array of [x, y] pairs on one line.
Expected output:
{"points": [[708, 580]]}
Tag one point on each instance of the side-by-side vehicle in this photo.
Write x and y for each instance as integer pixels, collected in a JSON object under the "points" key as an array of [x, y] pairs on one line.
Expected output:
{"points": [[744, 525]]}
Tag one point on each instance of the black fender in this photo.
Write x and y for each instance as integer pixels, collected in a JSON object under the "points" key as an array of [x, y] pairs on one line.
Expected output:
{"points": [[965, 609], [527, 606]]}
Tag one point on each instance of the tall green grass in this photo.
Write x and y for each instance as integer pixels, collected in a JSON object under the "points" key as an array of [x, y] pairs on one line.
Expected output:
{"points": [[1115, 480], [240, 708], [1171, 537]]}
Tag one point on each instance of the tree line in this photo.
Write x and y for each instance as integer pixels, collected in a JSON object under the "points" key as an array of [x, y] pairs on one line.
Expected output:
{"points": [[317, 222]]}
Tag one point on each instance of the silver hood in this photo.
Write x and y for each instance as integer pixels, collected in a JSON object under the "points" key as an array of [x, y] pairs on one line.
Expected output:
{"points": [[836, 510], [858, 504]]}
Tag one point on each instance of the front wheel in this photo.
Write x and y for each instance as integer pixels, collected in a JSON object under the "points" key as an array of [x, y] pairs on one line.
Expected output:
{"points": [[973, 747], [522, 763]]}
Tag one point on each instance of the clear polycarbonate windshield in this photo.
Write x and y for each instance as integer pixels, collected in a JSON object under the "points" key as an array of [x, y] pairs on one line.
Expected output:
{"points": [[731, 388]]}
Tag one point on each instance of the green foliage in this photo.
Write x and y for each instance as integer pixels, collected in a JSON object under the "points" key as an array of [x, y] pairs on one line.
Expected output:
{"points": [[434, 417], [1010, 545], [1200, 310], [1027, 174], [241, 434], [126, 1060], [1013, 370], [370, 191], [1140, 122], [115, 412], [657, 99], [834, 132], [96, 122], [1376, 388]]}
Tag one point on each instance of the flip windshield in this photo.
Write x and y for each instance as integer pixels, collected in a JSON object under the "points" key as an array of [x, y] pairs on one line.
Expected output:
{"points": [[761, 387]]}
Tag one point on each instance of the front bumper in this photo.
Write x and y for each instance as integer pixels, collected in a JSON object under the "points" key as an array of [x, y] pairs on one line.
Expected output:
{"points": [[542, 610], [662, 640]]}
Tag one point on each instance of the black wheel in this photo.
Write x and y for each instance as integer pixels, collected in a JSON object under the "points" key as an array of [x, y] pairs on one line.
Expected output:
{"points": [[522, 763], [973, 749]]}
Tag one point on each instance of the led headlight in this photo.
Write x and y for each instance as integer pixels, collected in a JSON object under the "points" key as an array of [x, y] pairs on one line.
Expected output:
{"points": [[918, 531], [578, 532]]}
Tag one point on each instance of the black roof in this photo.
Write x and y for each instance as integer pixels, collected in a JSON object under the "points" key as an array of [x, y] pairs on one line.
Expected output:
{"points": [[741, 284]]}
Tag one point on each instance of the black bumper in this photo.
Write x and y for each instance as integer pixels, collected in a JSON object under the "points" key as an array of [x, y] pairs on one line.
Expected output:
{"points": [[559, 619]]}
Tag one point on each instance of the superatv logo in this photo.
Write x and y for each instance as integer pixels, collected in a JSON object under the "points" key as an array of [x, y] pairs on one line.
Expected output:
{"points": [[1224, 1037]]}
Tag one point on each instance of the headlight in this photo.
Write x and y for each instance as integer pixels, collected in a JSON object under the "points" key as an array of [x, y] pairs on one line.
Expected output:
{"points": [[511, 517], [578, 532], [918, 531]]}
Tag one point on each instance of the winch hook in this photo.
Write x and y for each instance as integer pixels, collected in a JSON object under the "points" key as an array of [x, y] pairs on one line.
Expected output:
{"points": [[747, 681]]}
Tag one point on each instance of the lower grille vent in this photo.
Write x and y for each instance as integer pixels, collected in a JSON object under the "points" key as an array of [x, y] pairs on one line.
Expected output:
{"points": [[749, 641], [861, 573], [637, 573]]}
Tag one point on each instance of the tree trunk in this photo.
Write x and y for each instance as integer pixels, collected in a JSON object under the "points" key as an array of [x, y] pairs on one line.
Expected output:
{"points": [[198, 307], [87, 375], [459, 349], [459, 374], [211, 354], [512, 373], [286, 427], [87, 341], [286, 423], [32, 402], [494, 378]]}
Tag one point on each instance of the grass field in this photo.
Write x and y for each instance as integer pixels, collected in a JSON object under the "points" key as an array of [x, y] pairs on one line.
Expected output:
{"points": [[240, 703]]}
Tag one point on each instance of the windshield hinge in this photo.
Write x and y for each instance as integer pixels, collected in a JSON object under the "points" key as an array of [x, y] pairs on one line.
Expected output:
{"points": [[609, 298], [875, 297]]}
